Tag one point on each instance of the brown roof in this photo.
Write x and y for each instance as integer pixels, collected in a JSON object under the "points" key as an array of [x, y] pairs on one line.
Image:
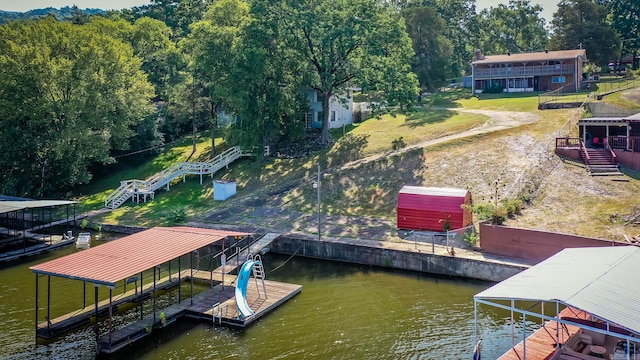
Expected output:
{"points": [[533, 56], [119, 259]]}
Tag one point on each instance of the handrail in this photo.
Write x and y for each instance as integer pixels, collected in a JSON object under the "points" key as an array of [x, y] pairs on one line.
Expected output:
{"points": [[605, 142], [584, 152]]}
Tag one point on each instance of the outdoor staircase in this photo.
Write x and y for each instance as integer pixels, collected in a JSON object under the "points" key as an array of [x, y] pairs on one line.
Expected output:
{"points": [[600, 162], [132, 189]]}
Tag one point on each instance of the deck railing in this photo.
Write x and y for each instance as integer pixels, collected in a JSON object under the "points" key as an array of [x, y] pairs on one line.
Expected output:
{"points": [[623, 142], [613, 155], [568, 143], [516, 71]]}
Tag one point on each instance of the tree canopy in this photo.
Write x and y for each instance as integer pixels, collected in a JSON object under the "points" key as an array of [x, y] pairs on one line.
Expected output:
{"points": [[68, 96], [583, 23]]}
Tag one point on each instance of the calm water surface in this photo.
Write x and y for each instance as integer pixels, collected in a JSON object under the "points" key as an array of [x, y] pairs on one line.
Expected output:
{"points": [[345, 311]]}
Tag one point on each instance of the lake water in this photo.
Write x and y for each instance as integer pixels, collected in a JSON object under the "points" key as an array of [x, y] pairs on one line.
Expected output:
{"points": [[345, 311]]}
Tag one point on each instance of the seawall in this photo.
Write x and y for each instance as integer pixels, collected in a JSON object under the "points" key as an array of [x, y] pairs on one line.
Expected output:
{"points": [[386, 254]]}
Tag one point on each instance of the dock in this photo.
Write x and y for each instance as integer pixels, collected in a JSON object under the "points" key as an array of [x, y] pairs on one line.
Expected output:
{"points": [[541, 345], [216, 305]]}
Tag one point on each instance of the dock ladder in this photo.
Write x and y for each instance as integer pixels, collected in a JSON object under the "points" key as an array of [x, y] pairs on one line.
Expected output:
{"points": [[218, 311], [258, 275]]}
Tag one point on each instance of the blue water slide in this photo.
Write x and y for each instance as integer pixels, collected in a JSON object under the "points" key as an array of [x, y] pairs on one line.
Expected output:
{"points": [[241, 288]]}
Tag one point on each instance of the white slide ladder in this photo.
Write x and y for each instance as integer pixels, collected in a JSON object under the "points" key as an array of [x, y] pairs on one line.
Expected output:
{"points": [[132, 189], [258, 275]]}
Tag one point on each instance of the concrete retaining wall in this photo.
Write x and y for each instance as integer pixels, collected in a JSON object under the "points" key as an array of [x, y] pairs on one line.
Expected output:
{"points": [[374, 253], [608, 110]]}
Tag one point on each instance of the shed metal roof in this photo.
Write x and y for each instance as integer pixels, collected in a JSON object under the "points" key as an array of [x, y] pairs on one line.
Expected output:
{"points": [[9, 206], [600, 281], [433, 191], [119, 259]]}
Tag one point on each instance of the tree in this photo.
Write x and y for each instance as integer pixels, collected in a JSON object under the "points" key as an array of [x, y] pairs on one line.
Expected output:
{"points": [[432, 50], [212, 44], [68, 97], [347, 43], [624, 16], [265, 85], [583, 23], [516, 27]]}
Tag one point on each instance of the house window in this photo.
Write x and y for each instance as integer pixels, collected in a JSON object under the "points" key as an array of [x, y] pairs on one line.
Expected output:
{"points": [[333, 116], [558, 79], [308, 120]]}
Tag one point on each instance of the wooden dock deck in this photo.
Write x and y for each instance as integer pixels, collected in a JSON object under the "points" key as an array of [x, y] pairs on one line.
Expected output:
{"points": [[541, 344], [201, 307]]}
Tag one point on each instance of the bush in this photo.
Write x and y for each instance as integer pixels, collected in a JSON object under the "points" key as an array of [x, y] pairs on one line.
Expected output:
{"points": [[176, 215], [494, 89], [398, 143]]}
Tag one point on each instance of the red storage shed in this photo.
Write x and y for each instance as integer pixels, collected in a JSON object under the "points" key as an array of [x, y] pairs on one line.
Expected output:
{"points": [[425, 208]]}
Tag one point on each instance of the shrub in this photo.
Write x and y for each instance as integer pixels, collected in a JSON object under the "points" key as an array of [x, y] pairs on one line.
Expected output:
{"points": [[494, 89], [398, 143]]}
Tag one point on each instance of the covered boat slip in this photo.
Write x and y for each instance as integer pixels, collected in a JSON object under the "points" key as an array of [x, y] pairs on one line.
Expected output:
{"points": [[122, 262], [587, 299]]}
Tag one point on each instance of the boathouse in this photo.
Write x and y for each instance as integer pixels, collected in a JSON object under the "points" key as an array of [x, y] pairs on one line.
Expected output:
{"points": [[585, 299], [133, 269], [433, 209]]}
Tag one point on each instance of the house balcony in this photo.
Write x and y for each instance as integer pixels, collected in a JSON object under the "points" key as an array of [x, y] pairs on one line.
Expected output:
{"points": [[523, 71]]}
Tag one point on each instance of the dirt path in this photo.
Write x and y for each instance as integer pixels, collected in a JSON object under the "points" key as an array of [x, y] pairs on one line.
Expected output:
{"points": [[498, 120]]}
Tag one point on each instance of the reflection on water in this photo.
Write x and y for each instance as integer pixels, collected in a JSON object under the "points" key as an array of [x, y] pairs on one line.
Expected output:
{"points": [[344, 311]]}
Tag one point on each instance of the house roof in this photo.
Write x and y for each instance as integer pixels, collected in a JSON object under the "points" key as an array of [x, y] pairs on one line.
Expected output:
{"points": [[9, 206], [635, 117], [603, 121], [596, 280], [533, 57], [119, 259]]}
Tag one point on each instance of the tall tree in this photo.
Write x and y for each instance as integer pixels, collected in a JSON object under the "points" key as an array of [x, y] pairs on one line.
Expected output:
{"points": [[516, 27], [347, 43], [433, 50], [68, 97], [212, 45], [583, 23], [624, 16]]}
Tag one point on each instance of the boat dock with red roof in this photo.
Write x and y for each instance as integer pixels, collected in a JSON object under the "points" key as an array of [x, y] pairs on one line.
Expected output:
{"points": [[171, 256]]}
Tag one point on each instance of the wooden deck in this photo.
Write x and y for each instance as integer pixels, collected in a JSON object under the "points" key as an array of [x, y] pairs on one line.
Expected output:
{"points": [[541, 345], [201, 307]]}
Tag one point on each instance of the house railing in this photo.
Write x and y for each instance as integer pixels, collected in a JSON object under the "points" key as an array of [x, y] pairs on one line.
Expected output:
{"points": [[523, 70], [623, 142], [613, 155], [567, 143], [584, 153]]}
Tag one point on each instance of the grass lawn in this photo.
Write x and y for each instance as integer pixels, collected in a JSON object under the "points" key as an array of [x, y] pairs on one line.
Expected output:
{"points": [[417, 126]]}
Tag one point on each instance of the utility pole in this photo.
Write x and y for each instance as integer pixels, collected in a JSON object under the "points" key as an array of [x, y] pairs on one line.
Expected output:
{"points": [[316, 184]]}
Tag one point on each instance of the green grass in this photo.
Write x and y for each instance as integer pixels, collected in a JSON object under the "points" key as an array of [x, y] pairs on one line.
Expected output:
{"points": [[97, 190], [414, 127]]}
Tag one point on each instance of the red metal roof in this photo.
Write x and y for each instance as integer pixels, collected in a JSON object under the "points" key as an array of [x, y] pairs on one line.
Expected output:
{"points": [[119, 259]]}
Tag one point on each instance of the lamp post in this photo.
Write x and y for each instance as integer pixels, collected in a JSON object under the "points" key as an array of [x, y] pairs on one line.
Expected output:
{"points": [[316, 185]]}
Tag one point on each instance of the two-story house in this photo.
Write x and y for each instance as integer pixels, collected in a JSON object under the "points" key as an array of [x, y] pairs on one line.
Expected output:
{"points": [[340, 109], [535, 71]]}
